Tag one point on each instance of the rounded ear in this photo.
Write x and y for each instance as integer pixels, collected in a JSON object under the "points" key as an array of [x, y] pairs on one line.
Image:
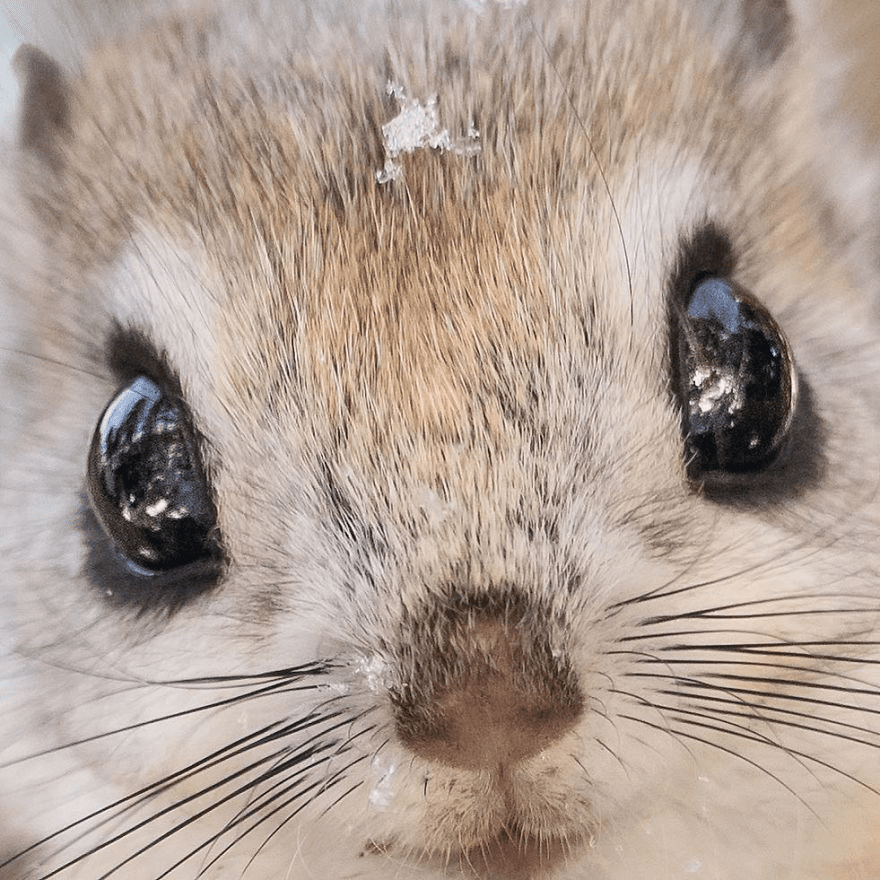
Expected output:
{"points": [[753, 35], [767, 28], [45, 106]]}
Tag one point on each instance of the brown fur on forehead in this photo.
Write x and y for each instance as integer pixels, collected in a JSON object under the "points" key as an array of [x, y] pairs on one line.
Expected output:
{"points": [[424, 312], [431, 276], [181, 127]]}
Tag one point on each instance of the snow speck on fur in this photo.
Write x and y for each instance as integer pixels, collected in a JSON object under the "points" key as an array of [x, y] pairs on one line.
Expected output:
{"points": [[417, 126]]}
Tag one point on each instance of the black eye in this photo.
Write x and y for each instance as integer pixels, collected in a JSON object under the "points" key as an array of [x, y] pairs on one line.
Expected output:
{"points": [[737, 382], [146, 483]]}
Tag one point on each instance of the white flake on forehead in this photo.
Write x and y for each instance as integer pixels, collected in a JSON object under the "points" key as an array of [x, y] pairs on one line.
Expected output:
{"points": [[417, 127]]}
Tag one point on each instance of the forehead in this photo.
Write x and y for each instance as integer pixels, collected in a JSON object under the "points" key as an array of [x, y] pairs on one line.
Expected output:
{"points": [[404, 226]]}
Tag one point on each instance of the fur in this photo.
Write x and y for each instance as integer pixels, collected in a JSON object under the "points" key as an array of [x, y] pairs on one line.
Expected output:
{"points": [[431, 383]]}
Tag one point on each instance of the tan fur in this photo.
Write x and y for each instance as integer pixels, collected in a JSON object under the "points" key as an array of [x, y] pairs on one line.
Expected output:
{"points": [[417, 395]]}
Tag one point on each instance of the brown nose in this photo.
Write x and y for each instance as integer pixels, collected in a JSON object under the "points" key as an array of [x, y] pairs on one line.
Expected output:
{"points": [[485, 690]]}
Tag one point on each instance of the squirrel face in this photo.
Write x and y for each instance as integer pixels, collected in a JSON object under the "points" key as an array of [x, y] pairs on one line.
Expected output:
{"points": [[459, 427]]}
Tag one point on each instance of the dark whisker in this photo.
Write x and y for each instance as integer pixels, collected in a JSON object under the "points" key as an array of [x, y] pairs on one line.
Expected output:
{"points": [[278, 684], [321, 785], [673, 732], [298, 759], [794, 753], [267, 735]]}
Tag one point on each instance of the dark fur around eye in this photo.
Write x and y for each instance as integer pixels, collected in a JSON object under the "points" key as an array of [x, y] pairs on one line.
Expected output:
{"points": [[151, 523], [749, 431]]}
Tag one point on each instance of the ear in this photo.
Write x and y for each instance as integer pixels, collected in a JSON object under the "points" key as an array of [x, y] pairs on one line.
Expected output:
{"points": [[767, 29], [45, 107]]}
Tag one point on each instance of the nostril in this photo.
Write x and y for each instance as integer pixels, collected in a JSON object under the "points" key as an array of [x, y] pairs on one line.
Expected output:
{"points": [[489, 693]]}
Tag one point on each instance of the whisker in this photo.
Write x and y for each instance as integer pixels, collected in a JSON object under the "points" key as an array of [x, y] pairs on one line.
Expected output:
{"points": [[787, 714], [263, 737], [129, 803], [282, 685], [322, 785], [796, 753], [304, 769], [674, 732]]}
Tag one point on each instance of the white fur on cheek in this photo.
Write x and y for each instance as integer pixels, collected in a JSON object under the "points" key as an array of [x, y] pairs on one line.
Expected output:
{"points": [[164, 291]]}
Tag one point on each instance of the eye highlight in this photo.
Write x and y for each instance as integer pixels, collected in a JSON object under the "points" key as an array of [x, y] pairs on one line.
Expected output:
{"points": [[737, 384], [146, 483]]}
